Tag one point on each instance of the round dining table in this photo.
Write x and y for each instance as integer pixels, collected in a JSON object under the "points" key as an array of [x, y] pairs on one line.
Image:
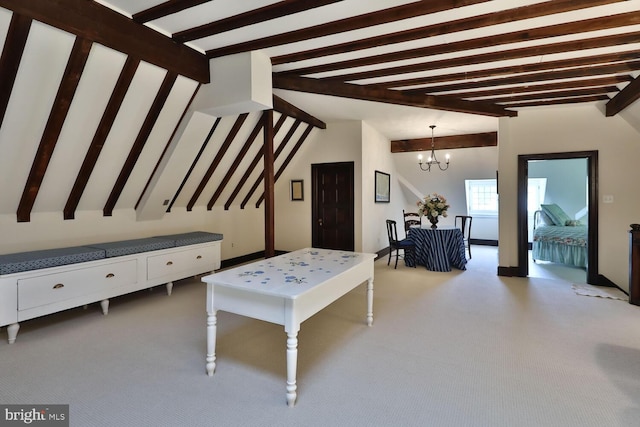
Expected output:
{"points": [[438, 249]]}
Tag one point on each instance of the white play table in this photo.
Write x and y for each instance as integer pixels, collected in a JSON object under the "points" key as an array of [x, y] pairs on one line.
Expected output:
{"points": [[286, 290]]}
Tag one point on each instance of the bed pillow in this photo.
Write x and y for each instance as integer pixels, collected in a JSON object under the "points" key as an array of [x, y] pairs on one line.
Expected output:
{"points": [[556, 213], [546, 219]]}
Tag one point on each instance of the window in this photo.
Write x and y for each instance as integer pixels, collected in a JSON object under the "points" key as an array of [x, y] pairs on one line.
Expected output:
{"points": [[482, 197]]}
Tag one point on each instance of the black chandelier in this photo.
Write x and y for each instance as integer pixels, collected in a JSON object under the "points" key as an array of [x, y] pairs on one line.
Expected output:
{"points": [[432, 160]]}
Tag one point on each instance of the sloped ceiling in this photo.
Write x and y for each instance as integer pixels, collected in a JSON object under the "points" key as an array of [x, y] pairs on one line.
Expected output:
{"points": [[95, 97]]}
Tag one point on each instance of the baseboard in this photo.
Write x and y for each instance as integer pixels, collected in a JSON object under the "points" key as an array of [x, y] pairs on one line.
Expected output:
{"points": [[232, 262], [483, 242], [604, 281], [509, 271]]}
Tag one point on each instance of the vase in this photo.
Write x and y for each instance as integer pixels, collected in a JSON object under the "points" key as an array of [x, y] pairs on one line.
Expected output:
{"points": [[434, 221]]}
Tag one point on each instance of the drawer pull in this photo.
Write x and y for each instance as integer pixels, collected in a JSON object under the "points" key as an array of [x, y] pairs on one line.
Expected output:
{"points": [[199, 257], [58, 286], [110, 275], [169, 262]]}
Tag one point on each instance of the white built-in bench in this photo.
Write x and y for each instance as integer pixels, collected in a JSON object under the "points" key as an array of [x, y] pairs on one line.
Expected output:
{"points": [[37, 283]]}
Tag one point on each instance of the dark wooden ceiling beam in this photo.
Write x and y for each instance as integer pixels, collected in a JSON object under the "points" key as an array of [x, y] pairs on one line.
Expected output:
{"points": [[166, 148], [286, 162], [473, 22], [348, 24], [59, 110], [99, 24], [575, 27], [277, 153], [572, 73], [236, 163], [516, 69], [100, 136], [622, 100], [571, 93], [485, 139], [165, 9], [252, 166], [609, 81], [12, 51], [578, 100], [284, 107], [262, 14], [140, 141], [346, 90], [194, 162], [501, 55], [233, 132]]}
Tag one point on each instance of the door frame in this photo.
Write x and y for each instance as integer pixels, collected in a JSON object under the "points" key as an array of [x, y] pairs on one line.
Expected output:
{"points": [[592, 239]]}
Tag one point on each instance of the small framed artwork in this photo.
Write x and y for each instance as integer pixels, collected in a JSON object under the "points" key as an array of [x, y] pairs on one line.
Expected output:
{"points": [[382, 187], [297, 189]]}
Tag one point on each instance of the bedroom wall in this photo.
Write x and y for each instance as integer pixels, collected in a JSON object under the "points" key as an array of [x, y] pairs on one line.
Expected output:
{"points": [[566, 182], [567, 129]]}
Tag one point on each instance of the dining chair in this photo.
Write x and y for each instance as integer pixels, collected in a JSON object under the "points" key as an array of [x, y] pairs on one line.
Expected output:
{"points": [[463, 222], [410, 219], [405, 245]]}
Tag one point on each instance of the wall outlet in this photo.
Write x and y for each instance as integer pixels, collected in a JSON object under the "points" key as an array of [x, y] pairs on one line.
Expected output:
{"points": [[607, 198]]}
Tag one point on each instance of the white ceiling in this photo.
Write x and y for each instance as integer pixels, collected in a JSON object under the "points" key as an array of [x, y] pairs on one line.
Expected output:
{"points": [[395, 122]]}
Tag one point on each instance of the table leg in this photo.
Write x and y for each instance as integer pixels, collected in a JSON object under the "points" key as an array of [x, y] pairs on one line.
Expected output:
{"points": [[292, 366], [370, 302], [211, 342]]}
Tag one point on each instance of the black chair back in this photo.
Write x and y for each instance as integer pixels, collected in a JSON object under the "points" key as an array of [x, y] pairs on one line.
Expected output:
{"points": [[392, 232], [396, 245], [411, 219], [463, 222]]}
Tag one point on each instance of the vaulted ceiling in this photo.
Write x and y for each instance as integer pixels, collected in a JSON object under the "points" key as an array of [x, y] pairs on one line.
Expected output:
{"points": [[95, 96], [476, 56]]}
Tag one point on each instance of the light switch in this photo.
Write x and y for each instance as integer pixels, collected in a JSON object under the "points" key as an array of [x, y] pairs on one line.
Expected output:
{"points": [[607, 198]]}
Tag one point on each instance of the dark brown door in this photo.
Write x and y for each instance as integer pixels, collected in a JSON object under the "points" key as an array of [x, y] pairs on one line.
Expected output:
{"points": [[332, 208]]}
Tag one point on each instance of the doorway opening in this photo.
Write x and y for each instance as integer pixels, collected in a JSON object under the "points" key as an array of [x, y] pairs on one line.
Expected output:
{"points": [[570, 184]]}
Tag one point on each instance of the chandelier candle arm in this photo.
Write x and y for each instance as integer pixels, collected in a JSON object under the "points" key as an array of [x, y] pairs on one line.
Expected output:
{"points": [[432, 160]]}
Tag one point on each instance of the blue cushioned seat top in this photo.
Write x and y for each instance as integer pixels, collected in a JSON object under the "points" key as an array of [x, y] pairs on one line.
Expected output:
{"points": [[34, 260], [135, 246], [192, 238]]}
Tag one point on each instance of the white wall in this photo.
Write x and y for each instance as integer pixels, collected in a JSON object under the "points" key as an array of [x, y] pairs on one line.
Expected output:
{"points": [[243, 230], [342, 141], [339, 142], [376, 155], [466, 163], [567, 129]]}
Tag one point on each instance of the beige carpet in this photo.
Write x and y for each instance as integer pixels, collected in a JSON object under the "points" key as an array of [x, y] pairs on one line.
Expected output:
{"points": [[599, 291], [458, 349]]}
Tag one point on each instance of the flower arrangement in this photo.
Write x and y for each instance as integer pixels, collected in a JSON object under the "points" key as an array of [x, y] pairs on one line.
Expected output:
{"points": [[432, 206]]}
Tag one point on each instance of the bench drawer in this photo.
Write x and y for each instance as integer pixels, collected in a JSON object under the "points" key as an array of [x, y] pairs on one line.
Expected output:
{"points": [[56, 287], [202, 259]]}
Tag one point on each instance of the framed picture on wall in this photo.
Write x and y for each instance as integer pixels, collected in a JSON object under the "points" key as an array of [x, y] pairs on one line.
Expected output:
{"points": [[297, 189], [382, 187]]}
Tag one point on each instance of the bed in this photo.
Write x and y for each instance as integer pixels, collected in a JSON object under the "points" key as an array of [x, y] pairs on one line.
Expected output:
{"points": [[557, 238]]}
